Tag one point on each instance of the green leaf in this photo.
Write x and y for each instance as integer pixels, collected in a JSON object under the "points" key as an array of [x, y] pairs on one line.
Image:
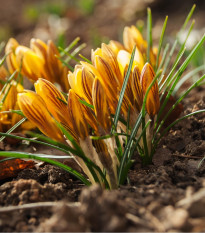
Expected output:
{"points": [[47, 160], [86, 104], [128, 148], [161, 41], [13, 128], [176, 77], [149, 33], [122, 92]]}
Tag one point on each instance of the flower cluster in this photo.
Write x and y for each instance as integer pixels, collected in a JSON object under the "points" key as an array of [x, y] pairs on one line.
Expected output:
{"points": [[38, 61], [91, 102]]}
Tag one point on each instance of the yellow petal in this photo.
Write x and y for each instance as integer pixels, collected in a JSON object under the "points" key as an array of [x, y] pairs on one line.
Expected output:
{"points": [[100, 105], [54, 99], [131, 37], [90, 68], [97, 52], [11, 98], [108, 80], [3, 75], [34, 108], [11, 58], [77, 115], [54, 64], [39, 47], [116, 46], [81, 83], [123, 59], [87, 84], [152, 102], [137, 89], [32, 65], [111, 59]]}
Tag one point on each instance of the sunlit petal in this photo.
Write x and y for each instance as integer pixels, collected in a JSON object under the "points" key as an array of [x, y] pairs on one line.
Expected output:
{"points": [[34, 108], [54, 99], [152, 102], [137, 89], [100, 105], [77, 116], [123, 59]]}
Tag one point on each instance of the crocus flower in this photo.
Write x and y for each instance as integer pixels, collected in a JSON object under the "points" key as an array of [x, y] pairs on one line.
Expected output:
{"points": [[38, 61]]}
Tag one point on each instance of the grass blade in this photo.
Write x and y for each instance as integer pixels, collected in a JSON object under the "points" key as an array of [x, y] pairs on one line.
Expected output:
{"points": [[149, 33], [124, 85], [13, 128], [161, 41], [14, 154], [128, 148], [178, 74], [175, 122]]}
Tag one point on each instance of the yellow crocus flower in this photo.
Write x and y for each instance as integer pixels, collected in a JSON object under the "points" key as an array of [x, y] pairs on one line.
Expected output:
{"points": [[7, 120], [38, 61]]}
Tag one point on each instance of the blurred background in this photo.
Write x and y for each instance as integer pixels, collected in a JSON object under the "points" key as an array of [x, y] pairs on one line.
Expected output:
{"points": [[94, 21]]}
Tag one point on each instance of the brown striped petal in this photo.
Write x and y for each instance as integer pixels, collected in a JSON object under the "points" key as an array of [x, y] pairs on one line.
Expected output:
{"points": [[77, 115], [34, 108], [152, 102], [101, 105], [11, 58], [111, 59], [54, 99], [54, 64], [137, 89], [116, 46], [108, 80]]}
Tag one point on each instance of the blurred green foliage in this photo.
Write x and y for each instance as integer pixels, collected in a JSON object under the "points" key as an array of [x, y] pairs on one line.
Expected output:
{"points": [[86, 6], [33, 11]]}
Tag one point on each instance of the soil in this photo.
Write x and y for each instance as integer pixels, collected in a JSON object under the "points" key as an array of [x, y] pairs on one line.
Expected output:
{"points": [[167, 196]]}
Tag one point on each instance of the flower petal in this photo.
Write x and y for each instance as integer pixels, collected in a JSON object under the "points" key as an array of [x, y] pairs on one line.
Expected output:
{"points": [[101, 105], [34, 108], [152, 102], [54, 99], [137, 89], [77, 115]]}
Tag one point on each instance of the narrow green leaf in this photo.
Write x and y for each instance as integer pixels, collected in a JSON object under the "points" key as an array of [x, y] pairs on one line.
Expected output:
{"points": [[161, 41], [125, 166], [85, 59], [81, 154], [72, 45], [47, 160], [55, 145], [86, 104], [7, 83], [197, 83], [175, 122], [122, 92], [188, 76], [188, 18], [149, 33], [66, 64], [178, 74], [13, 128], [64, 102], [128, 147]]}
